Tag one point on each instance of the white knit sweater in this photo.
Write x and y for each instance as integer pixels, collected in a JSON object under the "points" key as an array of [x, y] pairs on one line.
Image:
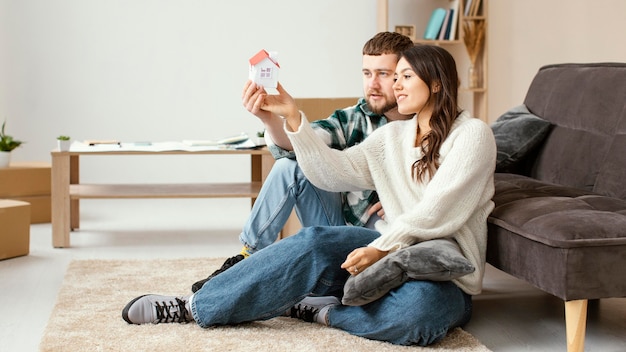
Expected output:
{"points": [[454, 202]]}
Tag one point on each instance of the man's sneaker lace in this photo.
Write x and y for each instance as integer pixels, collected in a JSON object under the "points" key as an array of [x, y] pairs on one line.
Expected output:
{"points": [[227, 265], [309, 308], [155, 309], [304, 312]]}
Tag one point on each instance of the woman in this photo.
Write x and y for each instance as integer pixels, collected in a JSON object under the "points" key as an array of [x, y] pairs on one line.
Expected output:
{"points": [[434, 177]]}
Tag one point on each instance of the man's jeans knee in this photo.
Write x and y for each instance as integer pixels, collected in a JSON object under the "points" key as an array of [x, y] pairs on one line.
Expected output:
{"points": [[287, 188]]}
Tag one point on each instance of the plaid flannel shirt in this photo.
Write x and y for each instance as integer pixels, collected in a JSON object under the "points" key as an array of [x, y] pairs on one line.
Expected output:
{"points": [[341, 130]]}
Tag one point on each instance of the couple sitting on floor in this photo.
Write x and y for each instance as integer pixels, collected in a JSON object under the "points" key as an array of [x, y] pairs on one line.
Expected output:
{"points": [[432, 169]]}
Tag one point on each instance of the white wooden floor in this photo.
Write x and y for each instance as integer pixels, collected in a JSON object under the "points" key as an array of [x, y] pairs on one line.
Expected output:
{"points": [[509, 316]]}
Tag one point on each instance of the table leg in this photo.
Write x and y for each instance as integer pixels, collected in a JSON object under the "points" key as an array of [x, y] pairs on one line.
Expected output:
{"points": [[260, 166], [256, 167], [74, 203], [60, 200], [267, 161]]}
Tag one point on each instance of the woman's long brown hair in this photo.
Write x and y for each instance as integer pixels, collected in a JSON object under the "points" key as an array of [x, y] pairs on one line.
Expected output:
{"points": [[436, 67]]}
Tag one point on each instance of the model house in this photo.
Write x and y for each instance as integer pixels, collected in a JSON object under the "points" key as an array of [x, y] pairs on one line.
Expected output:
{"points": [[264, 70]]}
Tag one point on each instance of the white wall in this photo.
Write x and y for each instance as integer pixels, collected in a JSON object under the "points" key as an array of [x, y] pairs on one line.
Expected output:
{"points": [[525, 35], [172, 70], [163, 69]]}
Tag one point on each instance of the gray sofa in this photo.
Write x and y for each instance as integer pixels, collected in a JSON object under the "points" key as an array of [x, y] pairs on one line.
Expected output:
{"points": [[560, 216]]}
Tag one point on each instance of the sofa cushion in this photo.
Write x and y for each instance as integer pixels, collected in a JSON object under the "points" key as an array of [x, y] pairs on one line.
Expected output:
{"points": [[555, 215], [435, 260], [517, 132]]}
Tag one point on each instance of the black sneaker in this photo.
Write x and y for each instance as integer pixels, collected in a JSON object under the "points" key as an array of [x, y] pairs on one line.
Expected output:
{"points": [[155, 309], [309, 307], [227, 265]]}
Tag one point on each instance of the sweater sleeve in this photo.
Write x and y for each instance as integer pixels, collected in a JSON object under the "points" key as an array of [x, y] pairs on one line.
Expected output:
{"points": [[332, 131], [343, 128], [329, 169]]}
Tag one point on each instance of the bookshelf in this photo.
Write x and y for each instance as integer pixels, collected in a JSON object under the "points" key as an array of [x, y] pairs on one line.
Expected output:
{"points": [[411, 17]]}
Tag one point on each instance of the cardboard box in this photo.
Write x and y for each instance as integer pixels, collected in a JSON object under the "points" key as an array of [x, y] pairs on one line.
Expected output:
{"points": [[14, 228], [321, 108], [40, 208], [30, 182]]}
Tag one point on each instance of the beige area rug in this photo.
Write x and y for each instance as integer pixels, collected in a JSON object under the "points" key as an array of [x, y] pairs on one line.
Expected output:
{"points": [[87, 316]]}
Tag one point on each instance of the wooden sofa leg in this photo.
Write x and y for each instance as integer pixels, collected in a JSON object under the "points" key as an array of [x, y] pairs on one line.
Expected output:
{"points": [[575, 324]]}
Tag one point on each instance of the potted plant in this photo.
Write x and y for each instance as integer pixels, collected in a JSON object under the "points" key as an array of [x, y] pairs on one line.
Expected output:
{"points": [[260, 138], [63, 143], [7, 144]]}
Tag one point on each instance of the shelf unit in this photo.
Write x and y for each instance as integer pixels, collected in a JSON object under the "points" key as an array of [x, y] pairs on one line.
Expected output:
{"points": [[473, 99]]}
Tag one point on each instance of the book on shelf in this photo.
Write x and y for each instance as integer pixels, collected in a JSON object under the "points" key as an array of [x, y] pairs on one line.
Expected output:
{"points": [[434, 24], [450, 22], [472, 7], [467, 7], [448, 25], [443, 32], [454, 19]]}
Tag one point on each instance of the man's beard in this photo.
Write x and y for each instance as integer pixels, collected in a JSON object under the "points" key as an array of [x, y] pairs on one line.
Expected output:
{"points": [[381, 110]]}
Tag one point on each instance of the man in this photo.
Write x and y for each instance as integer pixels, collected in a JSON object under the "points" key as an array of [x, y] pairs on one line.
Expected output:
{"points": [[286, 186]]}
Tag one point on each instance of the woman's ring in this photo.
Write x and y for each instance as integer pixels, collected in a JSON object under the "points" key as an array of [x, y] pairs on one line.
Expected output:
{"points": [[356, 270]]}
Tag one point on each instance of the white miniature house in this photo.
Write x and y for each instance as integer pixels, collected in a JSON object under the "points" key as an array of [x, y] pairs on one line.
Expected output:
{"points": [[264, 70]]}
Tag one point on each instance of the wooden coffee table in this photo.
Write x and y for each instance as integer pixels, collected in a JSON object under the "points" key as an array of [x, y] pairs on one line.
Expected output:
{"points": [[67, 190]]}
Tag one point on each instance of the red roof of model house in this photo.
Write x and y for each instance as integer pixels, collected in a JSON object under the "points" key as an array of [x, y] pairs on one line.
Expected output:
{"points": [[260, 56]]}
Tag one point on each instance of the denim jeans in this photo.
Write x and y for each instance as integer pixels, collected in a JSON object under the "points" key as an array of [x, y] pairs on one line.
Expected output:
{"points": [[284, 189], [272, 280]]}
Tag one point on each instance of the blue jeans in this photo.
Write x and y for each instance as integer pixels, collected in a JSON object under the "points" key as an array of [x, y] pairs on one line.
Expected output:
{"points": [[287, 188], [272, 280]]}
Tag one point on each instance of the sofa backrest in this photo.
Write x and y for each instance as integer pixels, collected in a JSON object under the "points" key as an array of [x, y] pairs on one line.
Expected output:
{"points": [[586, 148]]}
